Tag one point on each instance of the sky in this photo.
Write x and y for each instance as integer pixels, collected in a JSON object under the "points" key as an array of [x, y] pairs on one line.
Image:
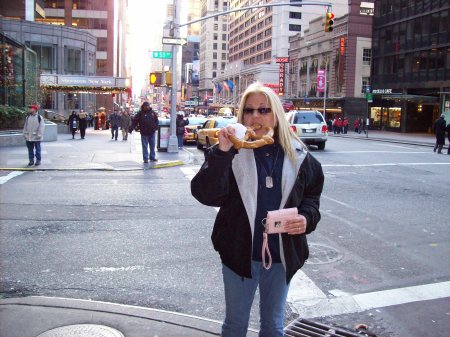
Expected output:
{"points": [[146, 20]]}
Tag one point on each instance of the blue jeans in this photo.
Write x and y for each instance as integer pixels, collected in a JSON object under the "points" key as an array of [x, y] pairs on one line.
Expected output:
{"points": [[31, 146], [239, 294], [180, 141], [114, 132], [146, 141]]}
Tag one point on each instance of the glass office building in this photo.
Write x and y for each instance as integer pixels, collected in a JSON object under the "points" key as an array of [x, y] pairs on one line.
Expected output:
{"points": [[410, 64]]}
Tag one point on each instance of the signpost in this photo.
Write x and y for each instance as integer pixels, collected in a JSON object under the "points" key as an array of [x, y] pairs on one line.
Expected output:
{"points": [[161, 54], [175, 41]]}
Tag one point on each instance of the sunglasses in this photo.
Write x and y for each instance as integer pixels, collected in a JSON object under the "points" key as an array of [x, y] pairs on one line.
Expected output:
{"points": [[261, 111]]}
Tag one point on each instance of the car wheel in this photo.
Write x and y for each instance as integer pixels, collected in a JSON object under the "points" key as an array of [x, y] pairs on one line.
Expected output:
{"points": [[199, 146], [321, 146]]}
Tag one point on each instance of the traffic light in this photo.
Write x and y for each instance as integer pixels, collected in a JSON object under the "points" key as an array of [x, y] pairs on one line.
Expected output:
{"points": [[156, 79], [168, 78], [329, 21]]}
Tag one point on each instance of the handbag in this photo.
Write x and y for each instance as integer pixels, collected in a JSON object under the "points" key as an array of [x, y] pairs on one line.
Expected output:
{"points": [[274, 224]]}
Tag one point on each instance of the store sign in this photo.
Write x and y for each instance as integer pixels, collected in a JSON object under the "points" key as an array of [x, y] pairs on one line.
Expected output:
{"points": [[83, 81], [320, 80], [342, 46], [281, 78], [382, 91], [282, 60]]}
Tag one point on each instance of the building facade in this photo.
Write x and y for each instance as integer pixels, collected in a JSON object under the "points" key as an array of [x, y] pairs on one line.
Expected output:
{"points": [[213, 44], [257, 38], [411, 64], [341, 57]]}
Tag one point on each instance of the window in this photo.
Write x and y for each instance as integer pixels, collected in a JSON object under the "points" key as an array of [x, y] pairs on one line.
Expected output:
{"points": [[365, 84], [46, 57], [295, 15], [224, 46], [73, 61], [224, 37], [295, 28], [215, 46], [215, 56], [367, 56]]}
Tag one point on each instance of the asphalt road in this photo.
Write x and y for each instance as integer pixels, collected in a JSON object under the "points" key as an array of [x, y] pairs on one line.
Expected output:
{"points": [[139, 238]]}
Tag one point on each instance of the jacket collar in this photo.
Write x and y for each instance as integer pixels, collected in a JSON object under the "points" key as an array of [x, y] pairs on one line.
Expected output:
{"points": [[244, 169]]}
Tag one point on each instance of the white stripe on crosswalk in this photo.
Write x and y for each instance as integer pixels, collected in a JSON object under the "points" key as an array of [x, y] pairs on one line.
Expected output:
{"points": [[11, 175]]}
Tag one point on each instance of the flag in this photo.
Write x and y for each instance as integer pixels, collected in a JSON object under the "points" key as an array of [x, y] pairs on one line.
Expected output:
{"points": [[219, 87], [225, 85], [230, 85]]}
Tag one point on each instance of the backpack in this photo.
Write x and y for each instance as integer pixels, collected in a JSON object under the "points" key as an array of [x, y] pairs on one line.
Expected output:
{"points": [[39, 118]]}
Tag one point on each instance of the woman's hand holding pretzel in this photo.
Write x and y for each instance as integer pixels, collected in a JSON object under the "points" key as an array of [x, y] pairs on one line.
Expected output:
{"points": [[225, 143]]}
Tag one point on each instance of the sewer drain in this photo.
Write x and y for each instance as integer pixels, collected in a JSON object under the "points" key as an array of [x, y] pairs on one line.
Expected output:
{"points": [[321, 254], [82, 330]]}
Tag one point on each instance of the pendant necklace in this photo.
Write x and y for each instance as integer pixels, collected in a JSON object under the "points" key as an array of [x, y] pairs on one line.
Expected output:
{"points": [[269, 179]]}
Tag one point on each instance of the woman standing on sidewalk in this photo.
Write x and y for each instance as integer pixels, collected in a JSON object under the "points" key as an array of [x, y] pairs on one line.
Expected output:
{"points": [[246, 184]]}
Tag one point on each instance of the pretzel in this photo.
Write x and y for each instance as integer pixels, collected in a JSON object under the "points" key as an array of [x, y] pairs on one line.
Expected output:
{"points": [[251, 140]]}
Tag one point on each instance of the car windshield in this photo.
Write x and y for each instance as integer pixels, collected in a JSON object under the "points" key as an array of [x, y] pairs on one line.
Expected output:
{"points": [[196, 120], [221, 123], [307, 117]]}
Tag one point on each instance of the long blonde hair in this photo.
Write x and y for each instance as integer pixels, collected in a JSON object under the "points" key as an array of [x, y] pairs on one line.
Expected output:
{"points": [[282, 129]]}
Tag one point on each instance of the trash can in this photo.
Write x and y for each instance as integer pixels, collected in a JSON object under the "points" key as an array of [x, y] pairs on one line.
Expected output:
{"points": [[162, 142]]}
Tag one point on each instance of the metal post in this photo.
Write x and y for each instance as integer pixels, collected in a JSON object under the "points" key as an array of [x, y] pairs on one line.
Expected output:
{"points": [[173, 141], [325, 92]]}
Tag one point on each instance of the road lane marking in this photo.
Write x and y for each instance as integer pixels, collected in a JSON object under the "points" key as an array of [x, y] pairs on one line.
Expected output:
{"points": [[382, 164], [377, 151], [372, 300], [9, 176]]}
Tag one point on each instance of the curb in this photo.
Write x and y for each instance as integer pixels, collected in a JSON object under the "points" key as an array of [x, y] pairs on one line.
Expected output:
{"points": [[156, 166], [386, 140]]}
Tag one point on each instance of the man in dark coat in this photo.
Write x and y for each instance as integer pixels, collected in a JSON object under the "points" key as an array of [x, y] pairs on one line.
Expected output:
{"points": [[448, 137], [147, 120], [439, 130]]}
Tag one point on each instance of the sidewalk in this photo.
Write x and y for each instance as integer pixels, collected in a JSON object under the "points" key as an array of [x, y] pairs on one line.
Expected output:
{"points": [[96, 152], [55, 317], [99, 152], [421, 139]]}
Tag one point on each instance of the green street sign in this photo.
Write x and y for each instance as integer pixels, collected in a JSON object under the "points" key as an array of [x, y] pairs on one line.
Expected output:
{"points": [[369, 97], [161, 54]]}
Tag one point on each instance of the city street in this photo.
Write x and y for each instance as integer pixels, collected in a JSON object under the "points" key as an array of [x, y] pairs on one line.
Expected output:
{"points": [[379, 255]]}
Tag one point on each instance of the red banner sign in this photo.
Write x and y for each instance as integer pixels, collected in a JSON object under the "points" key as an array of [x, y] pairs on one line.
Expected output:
{"points": [[281, 78]]}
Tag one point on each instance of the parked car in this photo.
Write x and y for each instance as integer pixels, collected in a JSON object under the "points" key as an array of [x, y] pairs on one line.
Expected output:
{"points": [[190, 130], [207, 135], [310, 126]]}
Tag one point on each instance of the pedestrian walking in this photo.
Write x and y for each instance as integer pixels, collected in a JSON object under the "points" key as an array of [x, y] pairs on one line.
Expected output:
{"points": [[246, 184], [125, 123], [114, 122], [147, 120], [439, 130], [448, 137], [345, 125], [73, 123], [356, 125], [180, 124], [96, 121], [82, 123], [33, 131]]}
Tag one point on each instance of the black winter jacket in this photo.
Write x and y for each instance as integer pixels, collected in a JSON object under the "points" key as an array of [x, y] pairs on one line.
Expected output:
{"points": [[229, 180], [147, 121]]}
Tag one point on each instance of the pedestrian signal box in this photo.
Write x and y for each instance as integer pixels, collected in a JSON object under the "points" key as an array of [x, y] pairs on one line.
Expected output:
{"points": [[168, 78], [329, 22], [156, 79]]}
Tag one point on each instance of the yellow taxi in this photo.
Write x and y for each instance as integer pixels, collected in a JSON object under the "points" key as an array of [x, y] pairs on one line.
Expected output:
{"points": [[190, 130], [207, 135]]}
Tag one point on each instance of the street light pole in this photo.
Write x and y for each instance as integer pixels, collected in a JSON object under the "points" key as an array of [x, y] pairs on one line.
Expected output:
{"points": [[173, 141]]}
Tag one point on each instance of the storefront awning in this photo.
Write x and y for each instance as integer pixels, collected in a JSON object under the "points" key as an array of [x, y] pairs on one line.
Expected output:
{"points": [[84, 84]]}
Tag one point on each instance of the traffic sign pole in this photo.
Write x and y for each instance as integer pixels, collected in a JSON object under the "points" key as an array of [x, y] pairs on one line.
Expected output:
{"points": [[173, 141]]}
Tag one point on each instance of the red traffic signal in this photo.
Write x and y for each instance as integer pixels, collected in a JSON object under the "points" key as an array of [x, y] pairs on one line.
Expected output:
{"points": [[329, 21]]}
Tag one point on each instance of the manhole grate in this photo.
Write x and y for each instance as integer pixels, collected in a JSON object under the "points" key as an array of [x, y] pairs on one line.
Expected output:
{"points": [[321, 254], [82, 330], [304, 328]]}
